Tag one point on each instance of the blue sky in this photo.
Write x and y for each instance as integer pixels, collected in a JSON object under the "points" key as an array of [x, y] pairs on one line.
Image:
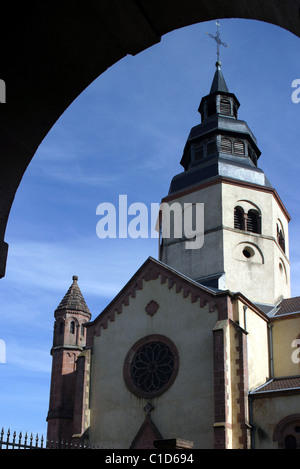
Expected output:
{"points": [[125, 135]]}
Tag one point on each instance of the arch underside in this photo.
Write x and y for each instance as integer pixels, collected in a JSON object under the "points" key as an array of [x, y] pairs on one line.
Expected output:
{"points": [[51, 51]]}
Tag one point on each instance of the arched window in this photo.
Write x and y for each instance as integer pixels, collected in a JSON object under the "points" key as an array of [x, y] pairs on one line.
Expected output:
{"points": [[287, 432], [225, 107], [72, 327], [226, 145], [280, 237], [239, 148], [253, 221], [239, 218], [82, 329]]}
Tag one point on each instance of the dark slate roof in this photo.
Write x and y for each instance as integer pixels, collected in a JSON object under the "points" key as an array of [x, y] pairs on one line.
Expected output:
{"points": [[265, 308], [287, 306], [218, 84], [291, 383], [73, 299]]}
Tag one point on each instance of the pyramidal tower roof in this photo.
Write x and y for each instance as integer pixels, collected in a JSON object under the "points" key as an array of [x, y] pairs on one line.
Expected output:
{"points": [[73, 299]]}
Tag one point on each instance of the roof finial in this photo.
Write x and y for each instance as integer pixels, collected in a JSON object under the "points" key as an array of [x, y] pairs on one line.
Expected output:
{"points": [[75, 278], [217, 38]]}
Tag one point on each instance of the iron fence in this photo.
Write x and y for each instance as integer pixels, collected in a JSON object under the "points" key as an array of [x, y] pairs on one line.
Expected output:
{"points": [[20, 441]]}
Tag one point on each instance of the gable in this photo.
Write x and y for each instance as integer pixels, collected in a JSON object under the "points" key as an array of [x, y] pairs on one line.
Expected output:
{"points": [[176, 283]]}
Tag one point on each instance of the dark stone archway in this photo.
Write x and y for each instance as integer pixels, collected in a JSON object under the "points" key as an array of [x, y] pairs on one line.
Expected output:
{"points": [[52, 50]]}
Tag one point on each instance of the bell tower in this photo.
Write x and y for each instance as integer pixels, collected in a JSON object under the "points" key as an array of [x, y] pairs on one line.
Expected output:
{"points": [[245, 222], [69, 339]]}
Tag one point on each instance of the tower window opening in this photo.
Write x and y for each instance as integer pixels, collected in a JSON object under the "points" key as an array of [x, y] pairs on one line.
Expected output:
{"points": [[226, 146], [280, 238], [72, 327], [239, 148], [225, 107], [239, 218], [253, 222]]}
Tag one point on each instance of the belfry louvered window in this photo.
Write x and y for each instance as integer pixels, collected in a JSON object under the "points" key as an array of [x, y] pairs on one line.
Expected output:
{"points": [[198, 151], [211, 148], [250, 221], [253, 221], [239, 218], [239, 147], [225, 107], [226, 145]]}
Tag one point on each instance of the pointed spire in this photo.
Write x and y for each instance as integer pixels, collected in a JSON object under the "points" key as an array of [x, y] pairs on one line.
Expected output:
{"points": [[73, 299], [210, 104], [218, 84]]}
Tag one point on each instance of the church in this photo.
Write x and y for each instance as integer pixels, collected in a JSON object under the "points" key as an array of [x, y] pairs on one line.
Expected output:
{"points": [[200, 349]]}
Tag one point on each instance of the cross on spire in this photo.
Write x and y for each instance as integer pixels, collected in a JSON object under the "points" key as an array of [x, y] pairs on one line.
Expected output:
{"points": [[217, 38]]}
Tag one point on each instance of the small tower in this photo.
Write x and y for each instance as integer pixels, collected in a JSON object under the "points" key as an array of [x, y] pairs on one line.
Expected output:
{"points": [[69, 339], [245, 223]]}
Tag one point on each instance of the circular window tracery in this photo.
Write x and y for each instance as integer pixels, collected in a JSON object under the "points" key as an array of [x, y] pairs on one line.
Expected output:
{"points": [[151, 366]]}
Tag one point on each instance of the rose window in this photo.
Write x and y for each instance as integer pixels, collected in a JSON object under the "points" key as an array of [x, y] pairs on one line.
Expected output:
{"points": [[151, 366]]}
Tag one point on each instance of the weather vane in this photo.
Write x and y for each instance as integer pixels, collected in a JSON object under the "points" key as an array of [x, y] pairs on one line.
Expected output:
{"points": [[217, 38]]}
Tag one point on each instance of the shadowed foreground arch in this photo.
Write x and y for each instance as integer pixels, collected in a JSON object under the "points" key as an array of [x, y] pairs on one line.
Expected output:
{"points": [[51, 51]]}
